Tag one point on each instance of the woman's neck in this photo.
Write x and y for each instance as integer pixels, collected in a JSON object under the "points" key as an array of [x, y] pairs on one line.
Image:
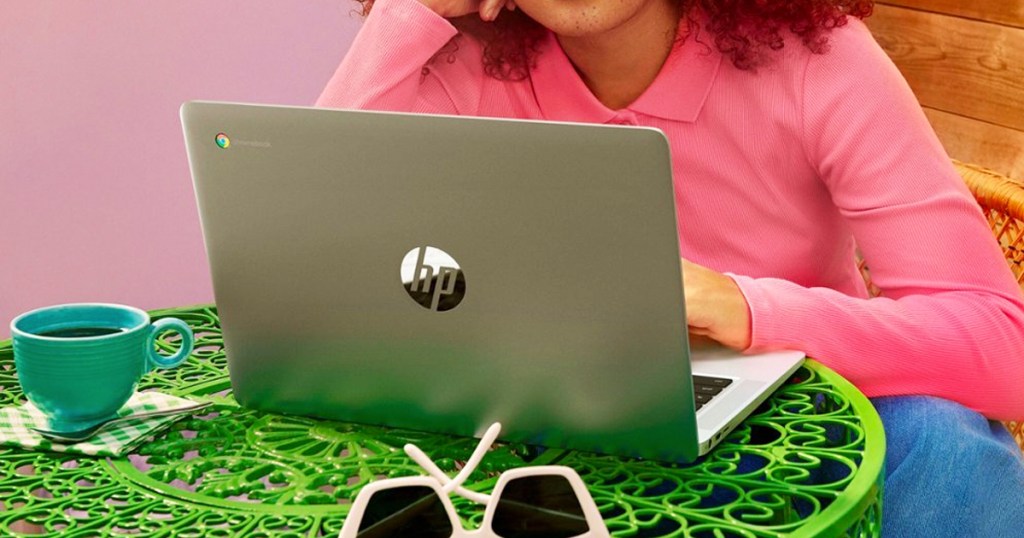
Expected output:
{"points": [[620, 64]]}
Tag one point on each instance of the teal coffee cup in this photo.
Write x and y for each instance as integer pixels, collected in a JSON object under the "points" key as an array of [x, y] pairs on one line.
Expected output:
{"points": [[79, 363]]}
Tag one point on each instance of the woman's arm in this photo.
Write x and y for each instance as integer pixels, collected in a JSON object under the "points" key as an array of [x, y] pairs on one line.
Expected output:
{"points": [[951, 319], [384, 68]]}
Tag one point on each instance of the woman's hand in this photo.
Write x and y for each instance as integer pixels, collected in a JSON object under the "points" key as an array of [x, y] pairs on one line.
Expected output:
{"points": [[715, 307], [488, 9]]}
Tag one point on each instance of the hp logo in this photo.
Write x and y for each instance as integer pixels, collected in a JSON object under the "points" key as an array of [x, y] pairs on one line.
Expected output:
{"points": [[433, 279]]}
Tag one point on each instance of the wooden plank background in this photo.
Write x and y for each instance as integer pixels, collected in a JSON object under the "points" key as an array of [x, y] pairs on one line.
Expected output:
{"points": [[964, 60], [1007, 12]]}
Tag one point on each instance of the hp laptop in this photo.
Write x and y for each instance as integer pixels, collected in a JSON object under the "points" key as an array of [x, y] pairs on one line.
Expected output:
{"points": [[441, 273]]}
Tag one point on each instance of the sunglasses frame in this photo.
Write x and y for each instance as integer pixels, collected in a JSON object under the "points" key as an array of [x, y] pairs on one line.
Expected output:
{"points": [[595, 524], [444, 486], [355, 514]]}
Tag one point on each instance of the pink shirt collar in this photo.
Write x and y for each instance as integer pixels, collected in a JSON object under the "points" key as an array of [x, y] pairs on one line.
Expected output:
{"points": [[677, 93]]}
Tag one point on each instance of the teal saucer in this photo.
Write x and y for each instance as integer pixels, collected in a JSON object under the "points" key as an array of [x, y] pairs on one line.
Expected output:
{"points": [[72, 426]]}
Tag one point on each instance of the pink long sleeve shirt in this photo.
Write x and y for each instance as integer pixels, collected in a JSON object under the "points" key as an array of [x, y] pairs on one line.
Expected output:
{"points": [[780, 175]]}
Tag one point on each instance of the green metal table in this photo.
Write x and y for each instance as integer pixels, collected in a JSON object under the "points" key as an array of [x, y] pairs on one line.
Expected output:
{"points": [[807, 463]]}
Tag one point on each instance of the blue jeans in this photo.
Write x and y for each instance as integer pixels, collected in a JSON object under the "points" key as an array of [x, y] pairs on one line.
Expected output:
{"points": [[949, 471]]}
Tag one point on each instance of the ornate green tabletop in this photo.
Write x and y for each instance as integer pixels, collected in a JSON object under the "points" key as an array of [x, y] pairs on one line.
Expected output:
{"points": [[807, 463]]}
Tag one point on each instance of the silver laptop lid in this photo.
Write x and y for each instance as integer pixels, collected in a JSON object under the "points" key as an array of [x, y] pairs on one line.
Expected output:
{"points": [[556, 243]]}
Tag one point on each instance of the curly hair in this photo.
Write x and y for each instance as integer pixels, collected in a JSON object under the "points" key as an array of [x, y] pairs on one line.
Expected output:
{"points": [[745, 31]]}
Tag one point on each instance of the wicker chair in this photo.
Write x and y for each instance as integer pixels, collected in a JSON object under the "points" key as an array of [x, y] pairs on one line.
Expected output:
{"points": [[1002, 201]]}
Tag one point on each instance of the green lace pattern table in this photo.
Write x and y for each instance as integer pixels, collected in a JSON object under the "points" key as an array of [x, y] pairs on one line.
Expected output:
{"points": [[807, 463]]}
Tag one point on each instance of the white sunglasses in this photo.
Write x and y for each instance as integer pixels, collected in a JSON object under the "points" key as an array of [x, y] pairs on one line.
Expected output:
{"points": [[547, 501]]}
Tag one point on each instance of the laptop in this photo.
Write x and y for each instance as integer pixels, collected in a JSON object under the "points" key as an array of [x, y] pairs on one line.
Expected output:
{"points": [[442, 273]]}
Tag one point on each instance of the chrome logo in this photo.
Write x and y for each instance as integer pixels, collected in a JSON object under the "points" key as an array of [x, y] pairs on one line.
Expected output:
{"points": [[222, 140]]}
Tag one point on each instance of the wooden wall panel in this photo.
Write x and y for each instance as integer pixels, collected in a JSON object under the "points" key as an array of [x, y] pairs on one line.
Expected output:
{"points": [[968, 74], [1008, 12], [966, 67], [972, 141]]}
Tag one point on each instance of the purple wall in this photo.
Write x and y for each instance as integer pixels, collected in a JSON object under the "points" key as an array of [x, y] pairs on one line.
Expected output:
{"points": [[96, 200]]}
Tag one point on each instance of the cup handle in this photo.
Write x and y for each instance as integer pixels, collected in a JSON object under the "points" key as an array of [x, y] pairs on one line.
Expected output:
{"points": [[159, 326]]}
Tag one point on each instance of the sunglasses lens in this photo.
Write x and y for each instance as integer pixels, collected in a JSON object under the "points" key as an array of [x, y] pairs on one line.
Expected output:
{"points": [[408, 511], [539, 507]]}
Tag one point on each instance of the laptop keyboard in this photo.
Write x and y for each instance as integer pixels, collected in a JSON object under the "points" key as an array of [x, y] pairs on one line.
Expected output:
{"points": [[705, 388]]}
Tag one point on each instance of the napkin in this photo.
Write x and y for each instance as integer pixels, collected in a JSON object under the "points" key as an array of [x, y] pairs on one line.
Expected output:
{"points": [[114, 440]]}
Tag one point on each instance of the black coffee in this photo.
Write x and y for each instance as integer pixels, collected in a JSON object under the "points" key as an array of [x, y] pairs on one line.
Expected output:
{"points": [[81, 332]]}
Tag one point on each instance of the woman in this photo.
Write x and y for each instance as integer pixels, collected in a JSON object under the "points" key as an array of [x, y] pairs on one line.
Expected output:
{"points": [[795, 142]]}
